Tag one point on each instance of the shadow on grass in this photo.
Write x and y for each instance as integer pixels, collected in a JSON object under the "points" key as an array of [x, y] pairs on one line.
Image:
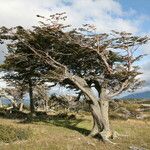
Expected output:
{"points": [[70, 124], [61, 120]]}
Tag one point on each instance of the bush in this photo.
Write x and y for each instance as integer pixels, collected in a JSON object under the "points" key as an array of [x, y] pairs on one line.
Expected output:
{"points": [[3, 112], [11, 134]]}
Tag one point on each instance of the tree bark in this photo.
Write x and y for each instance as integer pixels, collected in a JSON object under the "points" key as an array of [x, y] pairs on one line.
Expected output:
{"points": [[32, 109], [104, 104], [97, 120], [101, 126], [99, 109], [21, 106], [104, 130], [21, 101], [1, 105]]}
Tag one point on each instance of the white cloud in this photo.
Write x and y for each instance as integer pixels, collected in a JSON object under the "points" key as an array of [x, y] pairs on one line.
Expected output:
{"points": [[106, 15], [146, 48], [145, 76]]}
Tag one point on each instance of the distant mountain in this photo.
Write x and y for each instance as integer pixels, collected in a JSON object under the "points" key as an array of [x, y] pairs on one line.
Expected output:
{"points": [[141, 95]]}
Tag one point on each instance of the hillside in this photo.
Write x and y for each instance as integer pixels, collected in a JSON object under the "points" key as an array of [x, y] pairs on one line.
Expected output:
{"points": [[63, 135]]}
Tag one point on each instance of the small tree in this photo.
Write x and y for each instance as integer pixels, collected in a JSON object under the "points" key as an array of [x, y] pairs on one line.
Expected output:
{"points": [[18, 90], [6, 93], [20, 66]]}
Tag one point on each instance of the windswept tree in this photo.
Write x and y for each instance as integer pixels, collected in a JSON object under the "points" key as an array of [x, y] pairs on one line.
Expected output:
{"points": [[20, 65], [82, 58]]}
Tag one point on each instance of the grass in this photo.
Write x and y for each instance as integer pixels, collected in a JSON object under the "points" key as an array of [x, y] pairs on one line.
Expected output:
{"points": [[59, 134], [9, 133]]}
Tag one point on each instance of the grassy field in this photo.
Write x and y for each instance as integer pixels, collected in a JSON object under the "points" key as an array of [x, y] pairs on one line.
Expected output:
{"points": [[72, 135]]}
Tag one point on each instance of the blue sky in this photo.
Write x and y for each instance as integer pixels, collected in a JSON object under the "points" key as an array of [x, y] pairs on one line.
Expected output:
{"points": [[122, 15], [142, 7]]}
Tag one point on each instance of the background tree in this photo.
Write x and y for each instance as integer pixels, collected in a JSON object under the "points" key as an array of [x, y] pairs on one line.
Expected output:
{"points": [[20, 66], [17, 90], [6, 93]]}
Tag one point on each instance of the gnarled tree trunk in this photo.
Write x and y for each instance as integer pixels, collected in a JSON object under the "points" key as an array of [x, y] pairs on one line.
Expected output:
{"points": [[32, 109], [104, 104], [101, 126], [21, 106], [99, 109], [1, 105], [21, 101]]}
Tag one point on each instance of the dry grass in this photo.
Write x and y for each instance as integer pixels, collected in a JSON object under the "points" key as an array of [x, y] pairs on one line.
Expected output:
{"points": [[70, 135]]}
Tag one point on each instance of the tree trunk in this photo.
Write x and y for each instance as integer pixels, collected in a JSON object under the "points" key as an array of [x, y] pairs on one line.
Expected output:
{"points": [[32, 109], [101, 126], [104, 104], [1, 105], [46, 104], [21, 101], [99, 110], [21, 106], [97, 120]]}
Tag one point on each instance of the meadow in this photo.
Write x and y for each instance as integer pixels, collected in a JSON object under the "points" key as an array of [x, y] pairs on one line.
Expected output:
{"points": [[65, 134]]}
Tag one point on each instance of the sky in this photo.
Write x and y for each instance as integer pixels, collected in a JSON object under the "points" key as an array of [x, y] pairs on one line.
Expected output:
{"points": [[121, 15]]}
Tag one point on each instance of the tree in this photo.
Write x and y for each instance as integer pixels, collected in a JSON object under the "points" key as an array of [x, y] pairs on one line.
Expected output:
{"points": [[17, 90], [84, 59], [41, 96], [6, 93], [19, 66], [116, 72]]}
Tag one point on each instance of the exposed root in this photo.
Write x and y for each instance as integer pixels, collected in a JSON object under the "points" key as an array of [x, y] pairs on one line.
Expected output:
{"points": [[109, 141], [93, 133], [105, 137]]}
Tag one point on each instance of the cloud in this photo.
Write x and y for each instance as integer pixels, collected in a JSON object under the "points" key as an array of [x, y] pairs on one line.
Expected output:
{"points": [[106, 15], [146, 48], [145, 66], [145, 69]]}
